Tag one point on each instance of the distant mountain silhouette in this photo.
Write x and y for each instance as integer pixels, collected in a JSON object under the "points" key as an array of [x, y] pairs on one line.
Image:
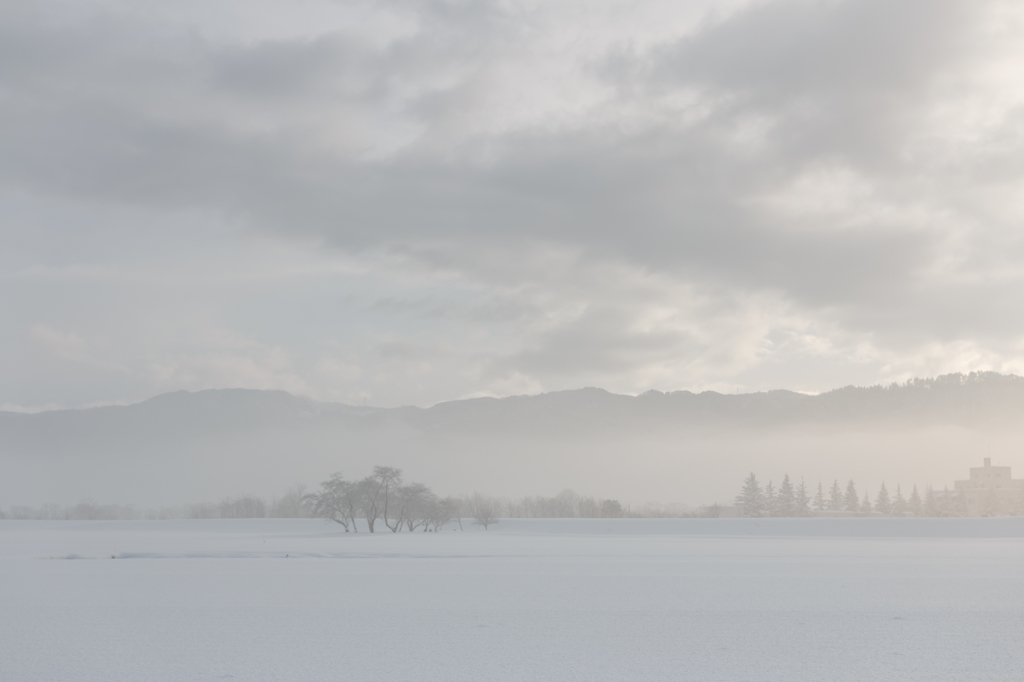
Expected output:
{"points": [[975, 399], [678, 445]]}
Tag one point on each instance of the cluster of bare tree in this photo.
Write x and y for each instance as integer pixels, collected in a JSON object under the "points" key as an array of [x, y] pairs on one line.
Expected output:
{"points": [[565, 505], [570, 505], [289, 505], [382, 496], [788, 500], [83, 511]]}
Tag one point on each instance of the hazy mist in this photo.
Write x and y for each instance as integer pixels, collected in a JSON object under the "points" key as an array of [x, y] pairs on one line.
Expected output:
{"points": [[388, 204], [680, 448]]}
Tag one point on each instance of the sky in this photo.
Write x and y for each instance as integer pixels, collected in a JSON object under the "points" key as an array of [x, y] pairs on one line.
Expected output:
{"points": [[401, 203]]}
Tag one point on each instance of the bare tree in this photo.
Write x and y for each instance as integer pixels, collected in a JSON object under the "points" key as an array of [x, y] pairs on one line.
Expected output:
{"points": [[484, 510], [337, 500], [369, 499], [611, 509], [413, 502], [588, 507], [567, 503], [291, 505], [373, 497], [388, 479], [441, 511], [377, 495], [245, 507]]}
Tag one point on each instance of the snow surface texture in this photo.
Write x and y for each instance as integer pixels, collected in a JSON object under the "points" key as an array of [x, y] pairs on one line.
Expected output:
{"points": [[636, 599]]}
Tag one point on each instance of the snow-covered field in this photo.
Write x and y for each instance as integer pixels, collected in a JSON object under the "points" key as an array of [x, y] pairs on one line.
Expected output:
{"points": [[637, 599]]}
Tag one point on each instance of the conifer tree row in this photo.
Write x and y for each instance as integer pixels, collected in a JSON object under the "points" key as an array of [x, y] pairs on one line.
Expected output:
{"points": [[788, 500]]}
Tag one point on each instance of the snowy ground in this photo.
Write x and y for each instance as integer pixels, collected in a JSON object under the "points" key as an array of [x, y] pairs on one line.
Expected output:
{"points": [[793, 600]]}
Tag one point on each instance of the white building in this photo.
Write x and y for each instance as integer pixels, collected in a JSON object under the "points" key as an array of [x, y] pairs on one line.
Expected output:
{"points": [[991, 491]]}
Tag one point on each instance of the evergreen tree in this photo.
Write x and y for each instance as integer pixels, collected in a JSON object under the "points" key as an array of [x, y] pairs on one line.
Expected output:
{"points": [[771, 500], [802, 500], [1016, 507], [899, 505], [990, 504], [786, 505], [882, 503], [835, 497], [852, 502], [915, 506], [819, 499], [752, 498], [932, 507], [946, 506], [865, 506], [958, 504]]}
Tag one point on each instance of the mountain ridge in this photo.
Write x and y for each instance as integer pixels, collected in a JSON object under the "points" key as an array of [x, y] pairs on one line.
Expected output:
{"points": [[675, 445], [964, 399]]}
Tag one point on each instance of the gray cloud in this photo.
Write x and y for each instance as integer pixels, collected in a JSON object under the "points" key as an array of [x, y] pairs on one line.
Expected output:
{"points": [[516, 203]]}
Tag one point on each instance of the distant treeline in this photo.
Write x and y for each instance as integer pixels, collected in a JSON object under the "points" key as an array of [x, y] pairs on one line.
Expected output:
{"points": [[570, 505], [289, 505], [383, 496], [380, 497], [788, 500]]}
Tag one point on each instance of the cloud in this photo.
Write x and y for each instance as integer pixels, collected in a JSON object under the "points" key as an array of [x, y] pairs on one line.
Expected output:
{"points": [[492, 197], [70, 347]]}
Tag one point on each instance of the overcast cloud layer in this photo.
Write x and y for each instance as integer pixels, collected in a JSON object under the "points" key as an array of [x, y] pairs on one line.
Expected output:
{"points": [[409, 202]]}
